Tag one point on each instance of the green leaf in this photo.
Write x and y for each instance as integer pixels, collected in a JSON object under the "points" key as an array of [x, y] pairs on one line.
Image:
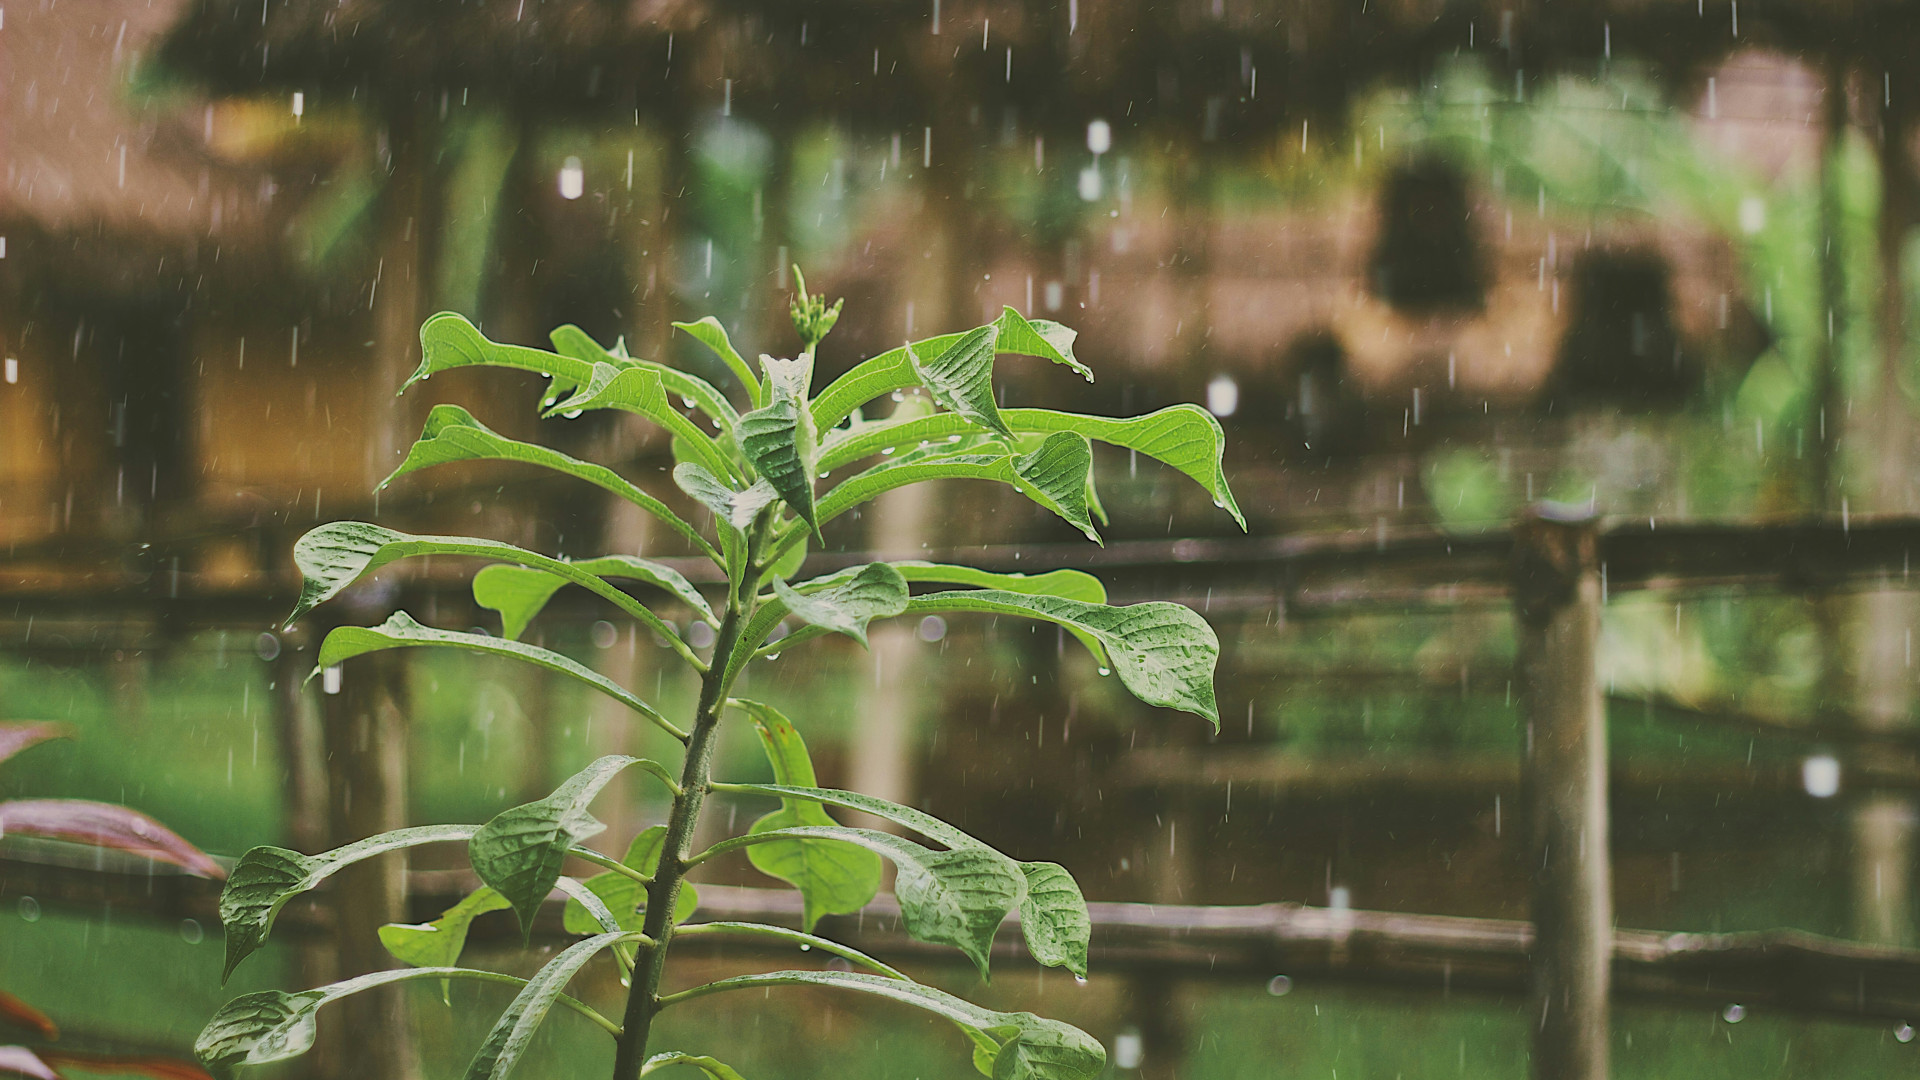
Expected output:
{"points": [[795, 937], [698, 393], [1053, 475], [833, 878], [779, 441], [639, 391], [503, 1046], [710, 333], [893, 370], [733, 509], [518, 593], [853, 599], [400, 631], [334, 556], [521, 851], [440, 942], [448, 341], [1053, 917], [957, 897], [1165, 653], [1041, 337], [1067, 584], [624, 896], [1187, 437], [452, 434], [960, 378], [715, 1070], [271, 1025], [265, 878], [1026, 1047]]}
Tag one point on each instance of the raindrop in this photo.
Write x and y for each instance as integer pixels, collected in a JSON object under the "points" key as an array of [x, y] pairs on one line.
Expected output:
{"points": [[700, 635], [573, 414], [29, 909], [1223, 395], [330, 680], [266, 646], [804, 947], [1099, 137], [688, 402], [839, 963], [1280, 986], [1733, 1014], [1820, 775], [1104, 670], [573, 179], [299, 104], [604, 634], [1079, 980], [191, 931], [933, 628], [1904, 1033]]}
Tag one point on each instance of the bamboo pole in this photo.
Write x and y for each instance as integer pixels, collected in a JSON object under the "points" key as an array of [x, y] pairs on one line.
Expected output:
{"points": [[1564, 792]]}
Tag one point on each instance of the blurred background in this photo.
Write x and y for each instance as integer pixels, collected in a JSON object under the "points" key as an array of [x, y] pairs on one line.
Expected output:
{"points": [[1428, 261]]}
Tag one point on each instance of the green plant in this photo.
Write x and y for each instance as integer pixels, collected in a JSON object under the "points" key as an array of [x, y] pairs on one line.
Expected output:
{"points": [[757, 473]]}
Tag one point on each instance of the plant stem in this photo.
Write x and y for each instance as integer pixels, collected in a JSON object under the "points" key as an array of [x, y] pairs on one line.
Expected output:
{"points": [[643, 1002]]}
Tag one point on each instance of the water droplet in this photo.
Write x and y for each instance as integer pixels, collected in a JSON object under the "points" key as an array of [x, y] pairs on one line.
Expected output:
{"points": [[604, 634], [1279, 986], [1903, 1033], [1219, 505], [1104, 670], [573, 179], [191, 931], [29, 909], [773, 656], [933, 628], [804, 947], [572, 414], [700, 635], [898, 396], [688, 401], [1079, 980], [888, 451], [266, 646], [1733, 1014]]}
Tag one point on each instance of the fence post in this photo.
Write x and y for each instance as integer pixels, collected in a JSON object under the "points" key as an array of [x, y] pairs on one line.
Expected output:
{"points": [[1557, 601]]}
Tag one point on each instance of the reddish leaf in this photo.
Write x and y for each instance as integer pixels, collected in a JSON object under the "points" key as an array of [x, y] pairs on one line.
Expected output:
{"points": [[105, 825], [20, 1061], [160, 1068], [22, 1015], [17, 737]]}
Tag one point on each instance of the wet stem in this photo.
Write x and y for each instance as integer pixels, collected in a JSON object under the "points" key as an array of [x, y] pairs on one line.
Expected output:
{"points": [[643, 999]]}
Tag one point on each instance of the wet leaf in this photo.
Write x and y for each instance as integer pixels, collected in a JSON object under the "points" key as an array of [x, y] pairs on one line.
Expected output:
{"points": [[518, 593], [715, 1070], [265, 878], [833, 878], [1165, 653], [710, 333], [521, 851], [960, 378], [508, 1040], [400, 631], [624, 896], [852, 599], [453, 435], [439, 943], [957, 897], [1053, 917], [79, 821], [779, 441], [1015, 1045]]}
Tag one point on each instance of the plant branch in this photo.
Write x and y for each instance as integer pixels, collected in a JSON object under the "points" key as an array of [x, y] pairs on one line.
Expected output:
{"points": [[643, 1001]]}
